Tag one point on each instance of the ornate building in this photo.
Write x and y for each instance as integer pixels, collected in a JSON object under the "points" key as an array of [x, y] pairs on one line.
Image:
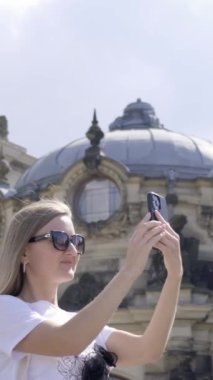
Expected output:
{"points": [[105, 179], [14, 161]]}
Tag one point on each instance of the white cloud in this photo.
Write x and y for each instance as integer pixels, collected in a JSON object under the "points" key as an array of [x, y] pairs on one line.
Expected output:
{"points": [[62, 58], [19, 5], [13, 14], [197, 7]]}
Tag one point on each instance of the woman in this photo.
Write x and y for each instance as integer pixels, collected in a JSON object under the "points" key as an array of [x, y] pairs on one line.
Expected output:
{"points": [[38, 340]]}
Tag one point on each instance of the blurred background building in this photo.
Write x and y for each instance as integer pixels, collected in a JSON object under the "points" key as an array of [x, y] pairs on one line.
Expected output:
{"points": [[105, 179]]}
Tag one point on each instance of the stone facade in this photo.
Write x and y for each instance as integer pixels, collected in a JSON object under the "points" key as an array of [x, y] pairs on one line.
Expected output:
{"points": [[190, 348], [14, 161], [190, 202]]}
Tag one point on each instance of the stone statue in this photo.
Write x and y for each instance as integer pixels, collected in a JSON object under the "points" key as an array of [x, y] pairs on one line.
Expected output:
{"points": [[3, 128], [183, 371], [193, 271], [78, 295], [4, 167]]}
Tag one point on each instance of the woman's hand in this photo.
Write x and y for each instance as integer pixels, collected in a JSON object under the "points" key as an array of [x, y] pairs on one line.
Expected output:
{"points": [[169, 245], [149, 347], [146, 235]]}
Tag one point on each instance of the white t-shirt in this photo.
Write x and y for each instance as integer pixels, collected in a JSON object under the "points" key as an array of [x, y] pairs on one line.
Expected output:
{"points": [[17, 319]]}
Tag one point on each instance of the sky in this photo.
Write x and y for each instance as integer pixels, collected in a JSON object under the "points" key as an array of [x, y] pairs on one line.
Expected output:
{"points": [[61, 59]]}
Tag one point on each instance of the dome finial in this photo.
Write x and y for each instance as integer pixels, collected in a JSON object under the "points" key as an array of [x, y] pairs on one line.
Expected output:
{"points": [[94, 133], [94, 121], [93, 154]]}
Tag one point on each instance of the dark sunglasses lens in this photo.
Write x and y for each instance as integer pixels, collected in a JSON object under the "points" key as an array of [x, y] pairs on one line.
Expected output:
{"points": [[78, 242], [60, 240]]}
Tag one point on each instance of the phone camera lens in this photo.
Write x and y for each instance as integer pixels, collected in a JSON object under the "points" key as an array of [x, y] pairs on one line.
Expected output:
{"points": [[156, 203]]}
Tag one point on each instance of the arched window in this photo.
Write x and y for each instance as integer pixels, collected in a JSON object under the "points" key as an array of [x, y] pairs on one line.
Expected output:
{"points": [[99, 199]]}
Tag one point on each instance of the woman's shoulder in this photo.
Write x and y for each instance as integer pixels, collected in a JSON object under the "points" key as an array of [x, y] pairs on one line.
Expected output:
{"points": [[7, 300], [18, 312]]}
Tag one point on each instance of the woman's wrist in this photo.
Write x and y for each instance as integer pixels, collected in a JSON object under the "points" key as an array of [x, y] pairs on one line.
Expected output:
{"points": [[175, 276], [128, 274]]}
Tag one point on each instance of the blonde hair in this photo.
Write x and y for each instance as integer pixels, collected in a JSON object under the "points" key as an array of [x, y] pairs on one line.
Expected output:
{"points": [[24, 224]]}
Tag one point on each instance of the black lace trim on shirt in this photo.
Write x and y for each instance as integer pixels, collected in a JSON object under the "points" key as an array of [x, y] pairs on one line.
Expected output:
{"points": [[97, 365]]}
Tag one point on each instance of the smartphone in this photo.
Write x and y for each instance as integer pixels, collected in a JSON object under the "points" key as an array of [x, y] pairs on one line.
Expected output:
{"points": [[157, 202]]}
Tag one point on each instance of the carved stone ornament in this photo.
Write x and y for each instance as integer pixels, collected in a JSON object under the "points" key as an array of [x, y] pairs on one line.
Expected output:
{"points": [[196, 272], [206, 219], [191, 366], [4, 167], [2, 220], [75, 180], [115, 226]]}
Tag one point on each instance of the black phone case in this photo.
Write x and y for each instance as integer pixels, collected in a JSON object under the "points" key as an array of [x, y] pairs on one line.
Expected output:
{"points": [[157, 202]]}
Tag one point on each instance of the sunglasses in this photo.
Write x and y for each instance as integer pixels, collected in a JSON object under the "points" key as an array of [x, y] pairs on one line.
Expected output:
{"points": [[61, 240]]}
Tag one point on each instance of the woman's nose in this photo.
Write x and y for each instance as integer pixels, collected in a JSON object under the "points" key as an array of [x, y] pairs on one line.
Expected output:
{"points": [[72, 249]]}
